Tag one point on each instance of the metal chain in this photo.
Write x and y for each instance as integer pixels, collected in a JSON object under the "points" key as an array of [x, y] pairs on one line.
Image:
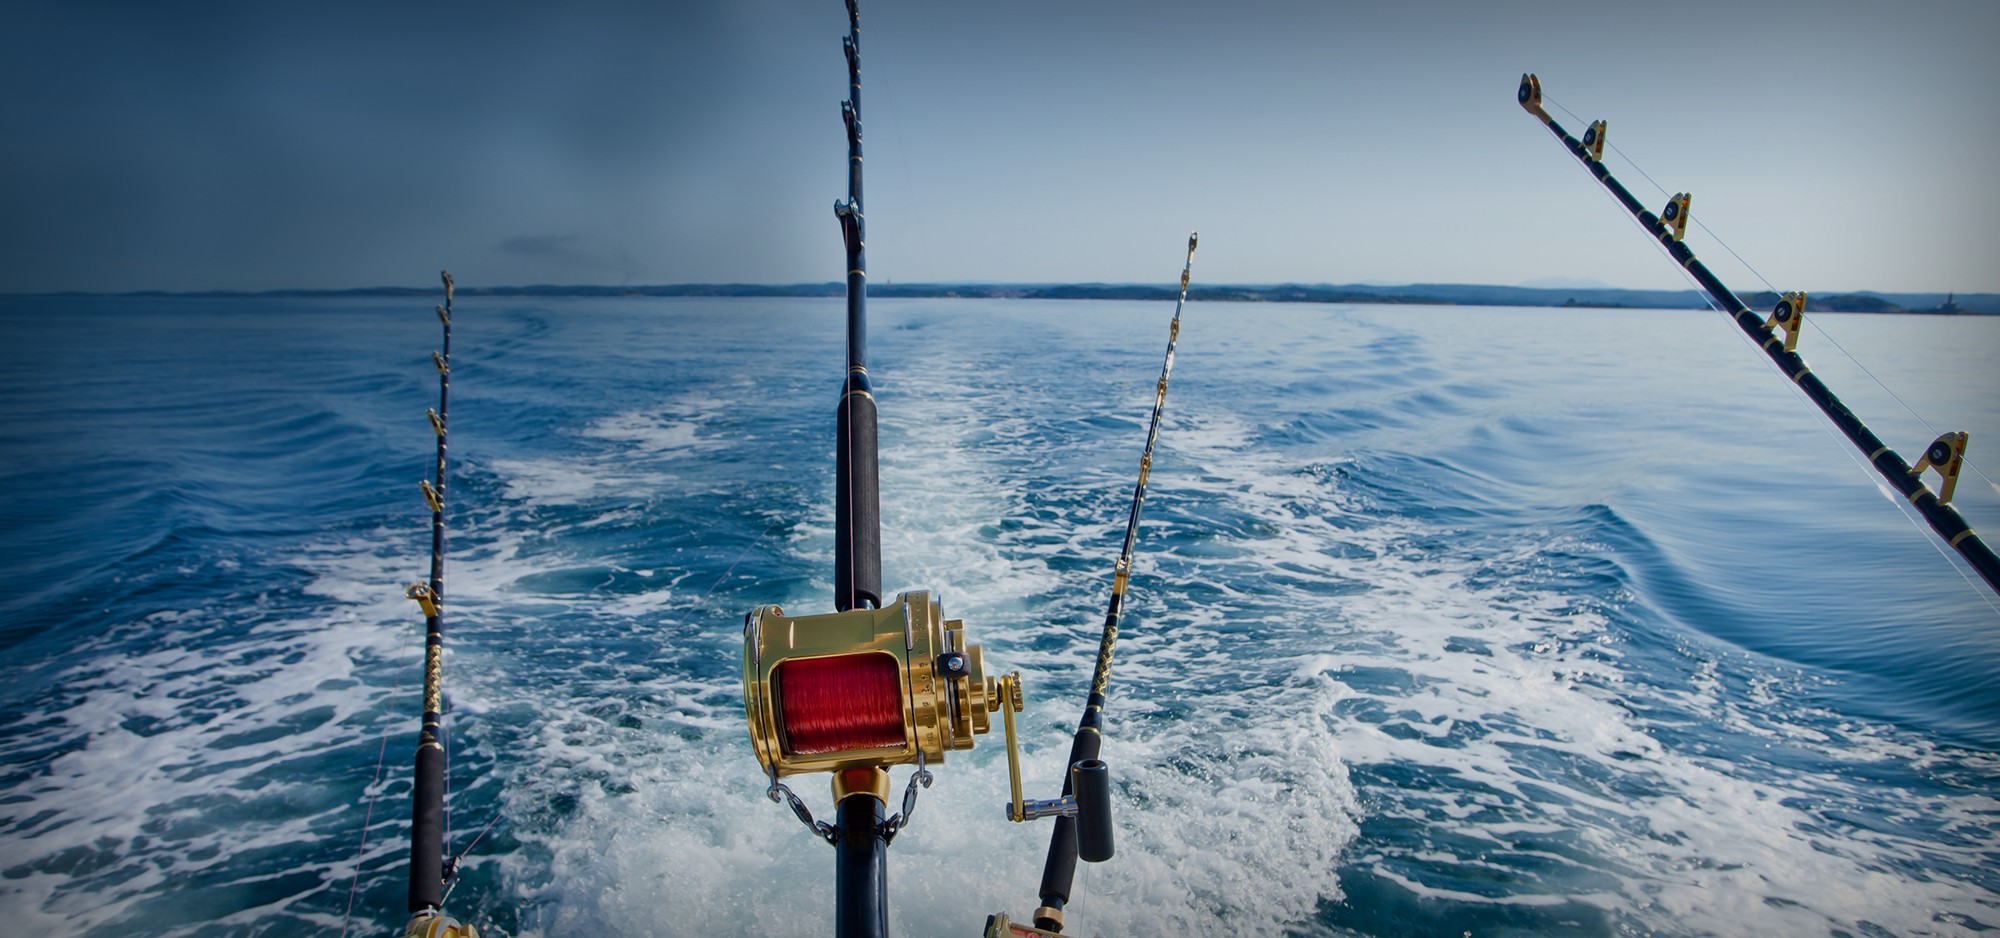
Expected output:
{"points": [[779, 791], [820, 829], [902, 819]]}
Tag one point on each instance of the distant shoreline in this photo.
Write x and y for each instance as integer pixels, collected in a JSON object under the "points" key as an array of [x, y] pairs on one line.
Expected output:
{"points": [[1441, 294]]}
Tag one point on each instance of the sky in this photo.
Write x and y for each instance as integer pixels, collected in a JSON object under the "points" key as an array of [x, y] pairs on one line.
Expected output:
{"points": [[1835, 146]]}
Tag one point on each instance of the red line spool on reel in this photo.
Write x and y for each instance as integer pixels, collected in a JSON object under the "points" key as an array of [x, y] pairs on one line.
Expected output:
{"points": [[866, 688], [842, 703]]}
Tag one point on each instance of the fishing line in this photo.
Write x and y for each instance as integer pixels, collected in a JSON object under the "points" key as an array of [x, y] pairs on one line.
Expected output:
{"points": [[840, 703], [903, 167], [1902, 505], [374, 790], [1826, 426], [1663, 191], [1967, 459], [1668, 229], [444, 743], [1065, 843], [661, 646], [1813, 321], [453, 864], [478, 837]]}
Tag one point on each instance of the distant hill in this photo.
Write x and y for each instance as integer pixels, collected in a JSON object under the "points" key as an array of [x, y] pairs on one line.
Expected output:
{"points": [[1441, 294]]}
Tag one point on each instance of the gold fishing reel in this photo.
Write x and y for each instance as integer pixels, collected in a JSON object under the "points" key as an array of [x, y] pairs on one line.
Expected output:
{"points": [[866, 688], [853, 693]]}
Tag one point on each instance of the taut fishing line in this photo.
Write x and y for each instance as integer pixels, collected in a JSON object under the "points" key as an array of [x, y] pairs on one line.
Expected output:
{"points": [[1768, 285], [1668, 229], [374, 789]]}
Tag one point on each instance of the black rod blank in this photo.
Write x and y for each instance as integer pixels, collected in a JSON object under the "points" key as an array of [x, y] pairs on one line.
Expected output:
{"points": [[427, 798], [857, 524], [861, 852], [1059, 870]]}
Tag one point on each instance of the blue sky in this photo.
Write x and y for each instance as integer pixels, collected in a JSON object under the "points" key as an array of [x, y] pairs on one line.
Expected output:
{"points": [[1836, 146]]}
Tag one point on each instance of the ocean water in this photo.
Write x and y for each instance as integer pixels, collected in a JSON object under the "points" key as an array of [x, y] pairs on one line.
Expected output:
{"points": [[1444, 622]]}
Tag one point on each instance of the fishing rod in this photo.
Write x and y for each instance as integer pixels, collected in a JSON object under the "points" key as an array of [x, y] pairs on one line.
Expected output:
{"points": [[870, 686], [861, 845], [857, 512], [430, 871], [1946, 454], [1093, 843]]}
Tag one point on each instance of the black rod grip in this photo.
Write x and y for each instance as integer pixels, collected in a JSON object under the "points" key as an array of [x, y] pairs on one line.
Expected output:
{"points": [[427, 831], [857, 527], [1093, 810]]}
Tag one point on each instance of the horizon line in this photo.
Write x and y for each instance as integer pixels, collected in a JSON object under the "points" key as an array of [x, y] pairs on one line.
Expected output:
{"points": [[839, 287]]}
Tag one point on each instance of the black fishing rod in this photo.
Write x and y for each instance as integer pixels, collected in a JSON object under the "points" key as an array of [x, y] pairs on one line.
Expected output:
{"points": [[429, 870], [1946, 453], [857, 525], [861, 864], [1059, 871], [875, 685]]}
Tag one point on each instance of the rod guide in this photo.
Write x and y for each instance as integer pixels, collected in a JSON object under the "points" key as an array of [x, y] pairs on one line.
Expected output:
{"points": [[1789, 314], [1593, 140], [1946, 522], [422, 594], [1946, 454], [1530, 95], [1675, 215]]}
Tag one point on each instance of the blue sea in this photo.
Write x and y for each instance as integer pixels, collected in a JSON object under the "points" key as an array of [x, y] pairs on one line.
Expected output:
{"points": [[1444, 621]]}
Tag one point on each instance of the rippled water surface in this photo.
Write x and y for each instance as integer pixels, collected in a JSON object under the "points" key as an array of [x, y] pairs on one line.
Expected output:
{"points": [[1445, 621]]}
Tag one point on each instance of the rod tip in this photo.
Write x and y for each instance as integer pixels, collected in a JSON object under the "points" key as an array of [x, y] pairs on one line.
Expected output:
{"points": [[1193, 236]]}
